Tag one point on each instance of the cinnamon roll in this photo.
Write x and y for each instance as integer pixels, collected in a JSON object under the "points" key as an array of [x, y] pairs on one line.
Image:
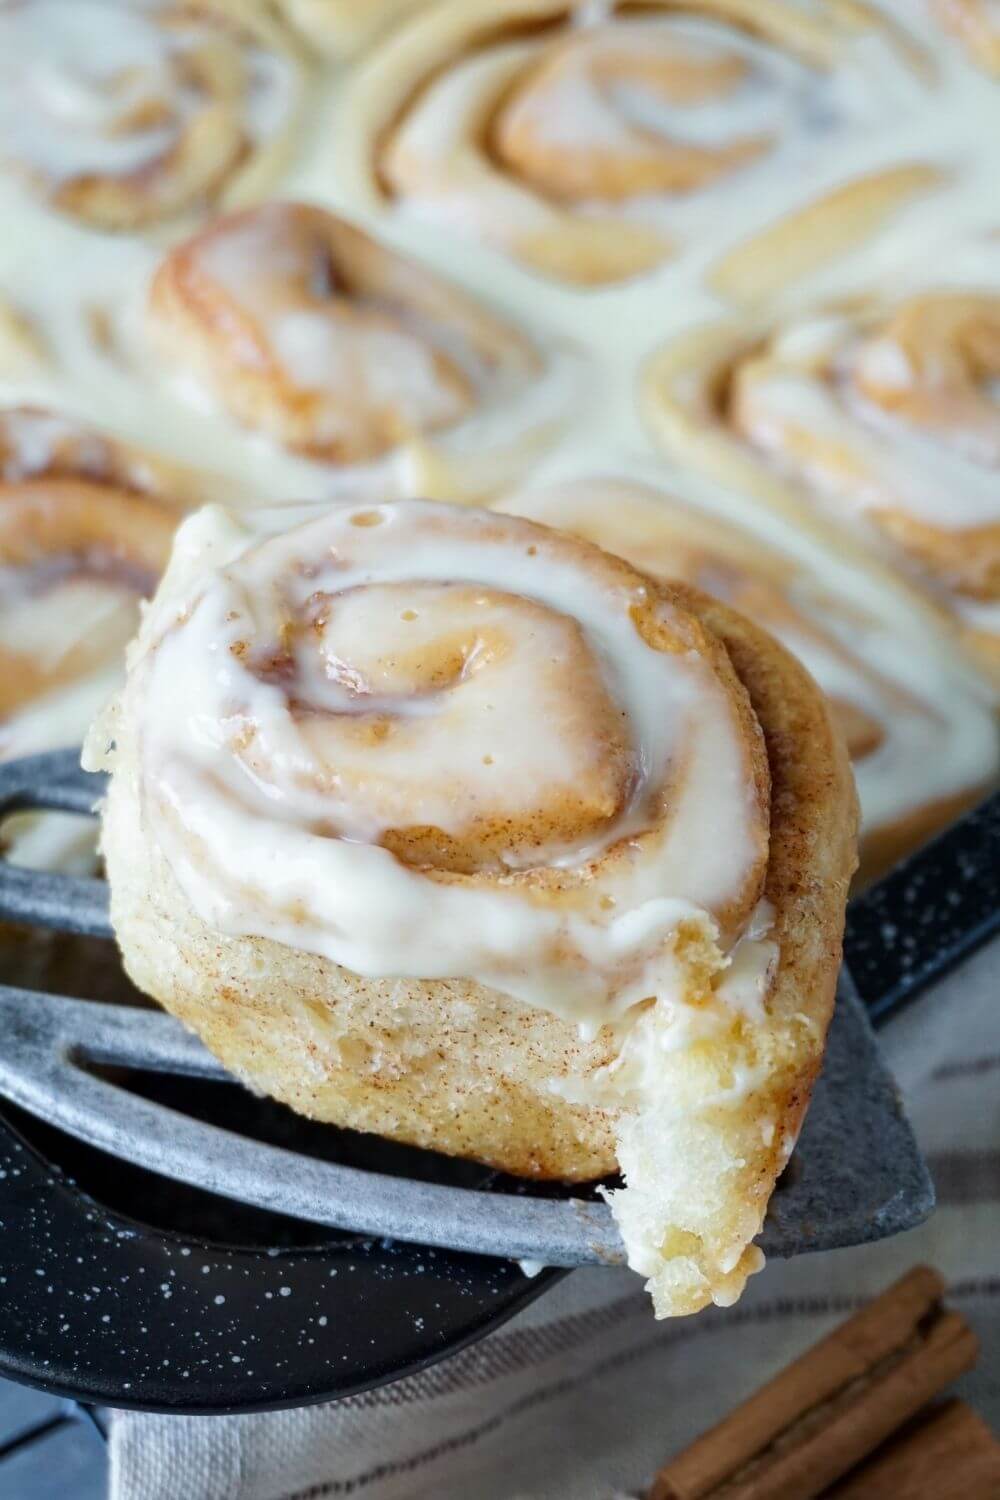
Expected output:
{"points": [[124, 115], [309, 331], [977, 25], [592, 143], [878, 418], [37, 443], [83, 536], [441, 824], [921, 739]]}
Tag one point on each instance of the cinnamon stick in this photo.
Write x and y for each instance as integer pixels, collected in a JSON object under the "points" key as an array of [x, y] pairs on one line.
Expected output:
{"points": [[830, 1409], [950, 1455]]}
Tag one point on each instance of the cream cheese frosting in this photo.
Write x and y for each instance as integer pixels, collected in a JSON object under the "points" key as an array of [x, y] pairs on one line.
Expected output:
{"points": [[301, 696], [81, 297]]}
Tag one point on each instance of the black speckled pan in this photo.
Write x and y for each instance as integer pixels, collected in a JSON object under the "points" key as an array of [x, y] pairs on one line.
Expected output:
{"points": [[286, 1262]]}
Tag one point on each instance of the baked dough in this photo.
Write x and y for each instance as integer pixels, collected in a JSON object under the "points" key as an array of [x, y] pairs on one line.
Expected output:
{"points": [[547, 869]]}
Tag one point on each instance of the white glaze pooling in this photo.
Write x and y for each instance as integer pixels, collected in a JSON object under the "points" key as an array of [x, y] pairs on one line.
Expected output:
{"points": [[55, 270], [278, 848], [58, 620], [386, 363], [63, 105]]}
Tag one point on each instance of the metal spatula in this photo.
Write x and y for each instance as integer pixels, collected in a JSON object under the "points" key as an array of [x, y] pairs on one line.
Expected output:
{"points": [[856, 1174]]}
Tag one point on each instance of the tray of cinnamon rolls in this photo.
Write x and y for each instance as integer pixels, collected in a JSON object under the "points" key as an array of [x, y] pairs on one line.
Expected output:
{"points": [[509, 493]]}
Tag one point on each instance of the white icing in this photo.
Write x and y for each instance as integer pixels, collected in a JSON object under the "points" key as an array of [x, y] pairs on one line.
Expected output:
{"points": [[242, 831], [459, 188], [61, 88], [531, 1268], [75, 75], [383, 364], [978, 614], [771, 97]]}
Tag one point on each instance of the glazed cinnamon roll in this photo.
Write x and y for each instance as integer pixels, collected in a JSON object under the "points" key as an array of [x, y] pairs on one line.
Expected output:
{"points": [[36, 443], [85, 531], [124, 115], [440, 824], [921, 739], [977, 25], [308, 330], [878, 418], [594, 142]]}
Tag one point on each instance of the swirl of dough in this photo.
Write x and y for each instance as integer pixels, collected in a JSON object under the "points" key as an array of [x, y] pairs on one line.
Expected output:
{"points": [[86, 522], [897, 419], [879, 415], [470, 827], [593, 147], [310, 331], [75, 557], [922, 741], [370, 675], [123, 116]]}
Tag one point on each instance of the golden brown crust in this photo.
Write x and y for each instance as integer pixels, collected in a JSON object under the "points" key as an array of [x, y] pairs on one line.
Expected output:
{"points": [[813, 852]]}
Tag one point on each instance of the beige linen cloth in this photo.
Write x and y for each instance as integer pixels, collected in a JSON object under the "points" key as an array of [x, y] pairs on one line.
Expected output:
{"points": [[583, 1394]]}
